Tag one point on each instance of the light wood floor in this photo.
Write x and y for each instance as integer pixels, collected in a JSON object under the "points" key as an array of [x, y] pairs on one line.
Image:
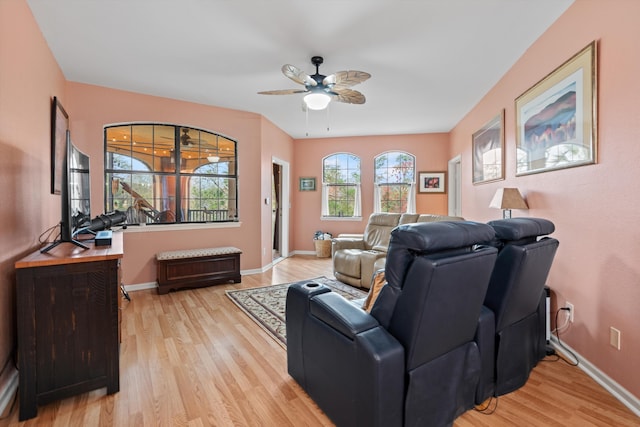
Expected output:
{"points": [[192, 358]]}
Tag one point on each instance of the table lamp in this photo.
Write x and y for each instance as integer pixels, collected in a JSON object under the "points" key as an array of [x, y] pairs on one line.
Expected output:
{"points": [[507, 199]]}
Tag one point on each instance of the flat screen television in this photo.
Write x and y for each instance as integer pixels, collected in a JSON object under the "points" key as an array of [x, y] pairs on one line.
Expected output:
{"points": [[79, 190], [75, 192]]}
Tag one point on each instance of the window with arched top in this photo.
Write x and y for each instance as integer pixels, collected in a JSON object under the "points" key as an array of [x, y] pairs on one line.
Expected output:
{"points": [[159, 174], [395, 177], [341, 185]]}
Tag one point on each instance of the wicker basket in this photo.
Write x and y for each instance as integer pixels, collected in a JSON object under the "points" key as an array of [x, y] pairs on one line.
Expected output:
{"points": [[323, 248]]}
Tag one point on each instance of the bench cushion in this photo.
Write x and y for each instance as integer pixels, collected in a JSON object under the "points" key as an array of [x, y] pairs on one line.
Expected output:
{"points": [[194, 253]]}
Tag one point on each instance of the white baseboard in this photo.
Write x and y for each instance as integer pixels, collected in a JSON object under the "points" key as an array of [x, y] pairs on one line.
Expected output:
{"points": [[153, 285], [8, 392], [140, 286], [303, 253], [619, 392]]}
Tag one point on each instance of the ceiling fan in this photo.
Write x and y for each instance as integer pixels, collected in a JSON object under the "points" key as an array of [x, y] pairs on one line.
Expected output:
{"points": [[185, 139], [321, 89]]}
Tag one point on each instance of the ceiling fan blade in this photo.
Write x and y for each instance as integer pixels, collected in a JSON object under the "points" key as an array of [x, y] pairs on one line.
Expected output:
{"points": [[344, 79], [282, 92], [348, 96], [297, 75]]}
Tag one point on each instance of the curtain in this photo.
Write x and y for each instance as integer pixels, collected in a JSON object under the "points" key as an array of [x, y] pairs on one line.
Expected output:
{"points": [[357, 203], [325, 200], [377, 204], [411, 198]]}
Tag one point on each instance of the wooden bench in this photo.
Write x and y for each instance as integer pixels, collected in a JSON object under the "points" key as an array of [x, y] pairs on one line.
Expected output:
{"points": [[196, 268]]}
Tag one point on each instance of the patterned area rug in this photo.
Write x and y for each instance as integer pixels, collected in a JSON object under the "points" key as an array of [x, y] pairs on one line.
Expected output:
{"points": [[266, 305]]}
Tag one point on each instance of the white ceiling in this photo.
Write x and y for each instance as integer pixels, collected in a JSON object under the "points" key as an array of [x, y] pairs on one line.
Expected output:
{"points": [[431, 61]]}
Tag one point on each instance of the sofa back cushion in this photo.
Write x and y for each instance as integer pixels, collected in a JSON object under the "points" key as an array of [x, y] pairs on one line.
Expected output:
{"points": [[434, 218], [378, 231], [435, 276], [408, 218]]}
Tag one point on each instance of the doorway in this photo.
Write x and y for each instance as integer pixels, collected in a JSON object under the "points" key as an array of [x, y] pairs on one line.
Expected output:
{"points": [[455, 187], [279, 209]]}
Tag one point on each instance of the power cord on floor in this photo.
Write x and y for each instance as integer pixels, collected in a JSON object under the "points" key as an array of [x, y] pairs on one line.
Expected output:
{"points": [[557, 330], [485, 408]]}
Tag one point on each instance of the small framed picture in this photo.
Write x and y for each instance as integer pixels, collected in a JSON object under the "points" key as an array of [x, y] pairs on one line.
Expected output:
{"points": [[432, 182], [307, 184]]}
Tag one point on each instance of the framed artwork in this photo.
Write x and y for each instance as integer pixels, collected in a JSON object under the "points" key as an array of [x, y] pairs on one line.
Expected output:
{"points": [[556, 122], [59, 127], [307, 184], [488, 151], [432, 182]]}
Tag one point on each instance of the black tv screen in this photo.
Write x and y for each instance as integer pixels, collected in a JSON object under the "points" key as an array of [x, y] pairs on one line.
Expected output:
{"points": [[79, 190], [75, 192]]}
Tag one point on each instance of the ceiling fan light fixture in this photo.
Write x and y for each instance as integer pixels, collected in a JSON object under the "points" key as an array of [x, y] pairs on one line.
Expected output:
{"points": [[213, 159], [317, 100]]}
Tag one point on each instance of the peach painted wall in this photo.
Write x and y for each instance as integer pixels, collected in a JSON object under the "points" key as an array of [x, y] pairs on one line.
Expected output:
{"points": [[91, 108], [29, 79], [596, 209], [431, 152]]}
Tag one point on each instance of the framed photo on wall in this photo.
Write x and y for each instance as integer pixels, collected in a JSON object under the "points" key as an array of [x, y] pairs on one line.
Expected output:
{"points": [[59, 126], [556, 123], [432, 182], [307, 184], [488, 151]]}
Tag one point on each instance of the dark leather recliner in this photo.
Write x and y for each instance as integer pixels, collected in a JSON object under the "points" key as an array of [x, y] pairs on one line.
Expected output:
{"points": [[512, 328], [413, 360]]}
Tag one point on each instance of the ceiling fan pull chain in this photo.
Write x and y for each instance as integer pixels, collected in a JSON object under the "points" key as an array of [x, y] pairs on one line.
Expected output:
{"points": [[306, 113], [328, 119]]}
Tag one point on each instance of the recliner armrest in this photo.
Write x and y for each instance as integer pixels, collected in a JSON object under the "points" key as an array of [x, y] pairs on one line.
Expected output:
{"points": [[341, 315], [347, 243]]}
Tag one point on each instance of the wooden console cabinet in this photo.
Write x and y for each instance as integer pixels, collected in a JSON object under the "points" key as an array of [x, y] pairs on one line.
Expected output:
{"points": [[68, 323]]}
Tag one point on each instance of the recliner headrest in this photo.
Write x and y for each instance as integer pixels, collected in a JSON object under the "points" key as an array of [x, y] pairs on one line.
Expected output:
{"points": [[521, 228], [441, 235]]}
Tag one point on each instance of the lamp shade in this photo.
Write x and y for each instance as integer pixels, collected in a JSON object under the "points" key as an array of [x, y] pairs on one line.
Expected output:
{"points": [[508, 198], [213, 159], [317, 100]]}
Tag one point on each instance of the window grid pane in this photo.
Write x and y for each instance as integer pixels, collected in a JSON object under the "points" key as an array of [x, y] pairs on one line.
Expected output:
{"points": [[394, 197], [341, 177], [341, 200], [394, 174], [141, 174]]}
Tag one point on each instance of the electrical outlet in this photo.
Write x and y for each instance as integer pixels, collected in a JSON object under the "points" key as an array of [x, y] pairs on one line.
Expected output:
{"points": [[572, 311], [614, 338]]}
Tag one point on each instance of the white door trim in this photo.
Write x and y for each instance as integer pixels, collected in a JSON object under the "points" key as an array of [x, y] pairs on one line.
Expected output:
{"points": [[285, 205], [455, 187]]}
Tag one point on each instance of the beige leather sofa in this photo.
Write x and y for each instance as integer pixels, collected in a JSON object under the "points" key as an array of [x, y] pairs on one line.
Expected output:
{"points": [[357, 257]]}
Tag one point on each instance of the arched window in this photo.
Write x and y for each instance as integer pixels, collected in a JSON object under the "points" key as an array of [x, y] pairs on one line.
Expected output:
{"points": [[341, 185], [394, 189], [143, 180]]}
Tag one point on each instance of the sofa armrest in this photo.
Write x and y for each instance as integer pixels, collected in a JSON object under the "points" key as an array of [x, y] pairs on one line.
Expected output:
{"points": [[297, 308], [378, 363], [368, 261], [335, 311], [346, 243], [351, 366], [356, 236]]}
